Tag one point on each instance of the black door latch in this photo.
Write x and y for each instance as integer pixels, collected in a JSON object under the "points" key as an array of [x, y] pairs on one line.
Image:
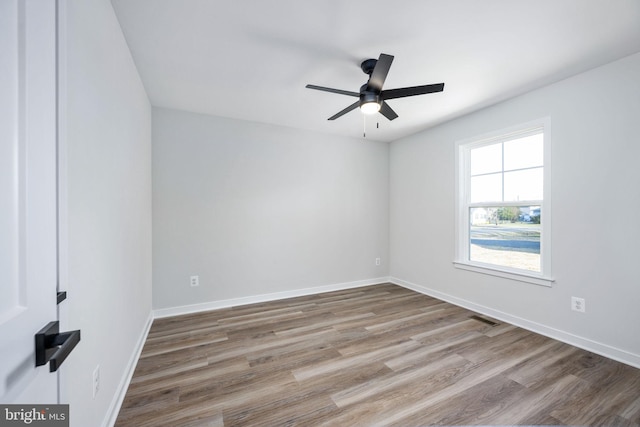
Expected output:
{"points": [[53, 346]]}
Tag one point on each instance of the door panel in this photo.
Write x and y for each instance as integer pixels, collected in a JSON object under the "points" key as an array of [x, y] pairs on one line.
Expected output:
{"points": [[28, 195]]}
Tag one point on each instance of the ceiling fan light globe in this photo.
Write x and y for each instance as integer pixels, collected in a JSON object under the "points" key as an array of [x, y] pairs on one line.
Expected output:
{"points": [[370, 107]]}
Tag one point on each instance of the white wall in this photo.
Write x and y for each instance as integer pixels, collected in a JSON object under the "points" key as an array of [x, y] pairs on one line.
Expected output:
{"points": [[595, 204], [106, 206], [257, 209]]}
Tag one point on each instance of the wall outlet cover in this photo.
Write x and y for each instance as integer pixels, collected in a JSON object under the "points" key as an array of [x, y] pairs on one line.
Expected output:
{"points": [[578, 304]]}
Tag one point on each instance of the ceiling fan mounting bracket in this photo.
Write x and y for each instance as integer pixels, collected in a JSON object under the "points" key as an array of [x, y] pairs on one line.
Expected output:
{"points": [[368, 65]]}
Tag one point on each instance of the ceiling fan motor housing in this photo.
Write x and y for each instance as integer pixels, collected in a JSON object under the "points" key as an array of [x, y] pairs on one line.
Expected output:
{"points": [[367, 96]]}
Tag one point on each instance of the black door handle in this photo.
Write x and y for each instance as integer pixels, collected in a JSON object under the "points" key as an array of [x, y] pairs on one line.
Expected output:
{"points": [[53, 346]]}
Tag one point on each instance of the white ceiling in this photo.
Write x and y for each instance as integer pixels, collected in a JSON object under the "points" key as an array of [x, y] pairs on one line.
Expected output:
{"points": [[251, 59]]}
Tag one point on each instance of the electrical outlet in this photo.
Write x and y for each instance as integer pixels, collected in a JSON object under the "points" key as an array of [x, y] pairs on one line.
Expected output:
{"points": [[377, 261], [96, 381], [195, 281], [578, 304]]}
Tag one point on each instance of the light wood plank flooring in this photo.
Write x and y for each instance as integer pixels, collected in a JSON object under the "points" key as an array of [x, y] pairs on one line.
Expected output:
{"points": [[379, 355]]}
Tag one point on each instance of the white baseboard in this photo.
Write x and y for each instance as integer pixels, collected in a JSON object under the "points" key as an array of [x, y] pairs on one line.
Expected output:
{"points": [[118, 398], [214, 305], [566, 337]]}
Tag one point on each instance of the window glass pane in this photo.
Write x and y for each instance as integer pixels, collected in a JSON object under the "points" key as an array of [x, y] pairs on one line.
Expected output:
{"points": [[506, 236], [486, 159], [524, 152], [486, 188], [523, 185]]}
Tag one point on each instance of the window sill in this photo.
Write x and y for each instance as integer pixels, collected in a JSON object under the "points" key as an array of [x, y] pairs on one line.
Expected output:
{"points": [[521, 277]]}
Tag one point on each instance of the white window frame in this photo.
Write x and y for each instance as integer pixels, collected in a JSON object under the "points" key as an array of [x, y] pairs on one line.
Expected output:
{"points": [[463, 166]]}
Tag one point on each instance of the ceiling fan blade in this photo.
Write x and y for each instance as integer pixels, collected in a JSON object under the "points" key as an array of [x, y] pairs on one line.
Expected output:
{"points": [[328, 89], [387, 111], [411, 91], [380, 71], [345, 111]]}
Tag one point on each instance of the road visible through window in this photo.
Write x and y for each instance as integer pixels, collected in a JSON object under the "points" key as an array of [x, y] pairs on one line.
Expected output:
{"points": [[510, 244]]}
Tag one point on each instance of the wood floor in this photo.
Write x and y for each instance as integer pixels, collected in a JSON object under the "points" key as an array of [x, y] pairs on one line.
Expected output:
{"points": [[379, 355]]}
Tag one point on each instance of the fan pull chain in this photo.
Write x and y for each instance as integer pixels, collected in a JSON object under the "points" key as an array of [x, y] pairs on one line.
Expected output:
{"points": [[364, 125]]}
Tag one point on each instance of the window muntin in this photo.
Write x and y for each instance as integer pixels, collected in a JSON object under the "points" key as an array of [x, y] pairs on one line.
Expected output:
{"points": [[507, 171]]}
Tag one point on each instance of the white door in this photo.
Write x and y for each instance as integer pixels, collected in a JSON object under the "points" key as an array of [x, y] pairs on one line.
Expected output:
{"points": [[28, 196]]}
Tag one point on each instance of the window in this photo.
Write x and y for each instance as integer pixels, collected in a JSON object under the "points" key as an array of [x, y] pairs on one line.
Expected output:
{"points": [[503, 222]]}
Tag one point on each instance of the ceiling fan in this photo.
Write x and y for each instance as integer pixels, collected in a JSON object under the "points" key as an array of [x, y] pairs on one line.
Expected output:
{"points": [[371, 96]]}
